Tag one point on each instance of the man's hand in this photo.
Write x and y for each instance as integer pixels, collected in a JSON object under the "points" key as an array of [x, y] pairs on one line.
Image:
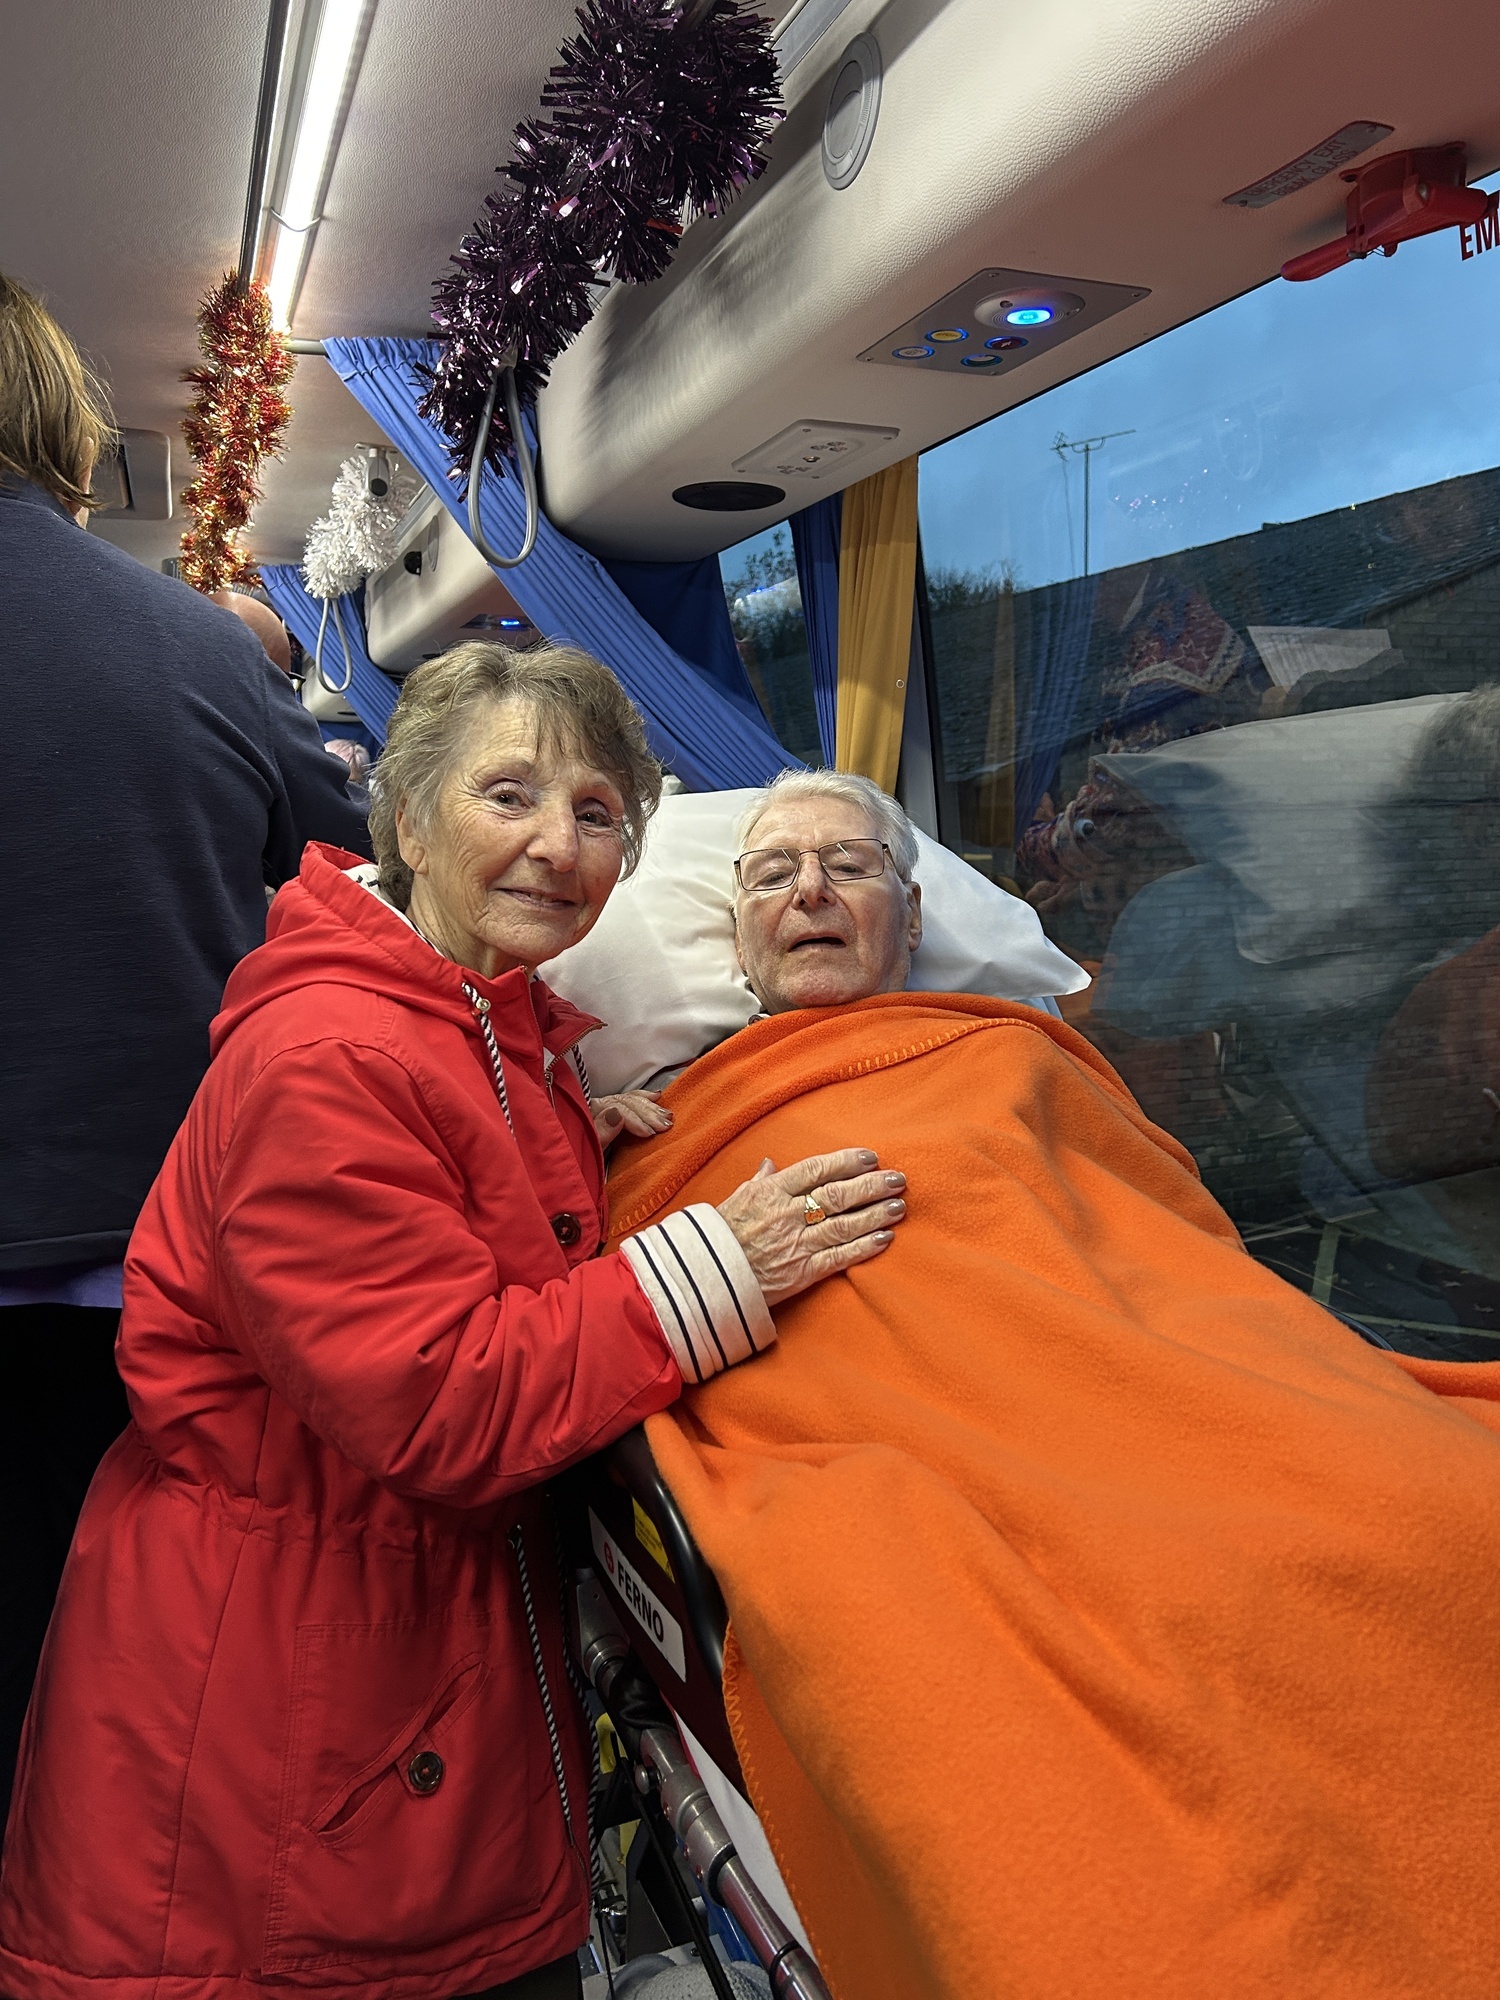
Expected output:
{"points": [[637, 1111]]}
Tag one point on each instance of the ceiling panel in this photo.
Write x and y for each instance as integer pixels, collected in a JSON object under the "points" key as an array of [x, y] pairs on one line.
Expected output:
{"points": [[124, 163], [124, 160]]}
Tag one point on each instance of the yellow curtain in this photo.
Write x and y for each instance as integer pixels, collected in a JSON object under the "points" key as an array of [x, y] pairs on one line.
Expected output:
{"points": [[877, 580]]}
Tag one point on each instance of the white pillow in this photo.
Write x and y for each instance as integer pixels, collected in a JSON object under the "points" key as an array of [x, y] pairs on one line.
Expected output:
{"points": [[659, 966], [1297, 811]]}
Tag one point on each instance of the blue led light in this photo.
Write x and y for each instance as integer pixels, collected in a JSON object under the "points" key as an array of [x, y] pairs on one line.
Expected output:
{"points": [[1029, 316], [912, 353], [981, 361]]}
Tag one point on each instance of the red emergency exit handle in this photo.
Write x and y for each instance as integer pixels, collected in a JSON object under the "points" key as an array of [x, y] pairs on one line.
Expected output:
{"points": [[1318, 263], [1393, 199]]}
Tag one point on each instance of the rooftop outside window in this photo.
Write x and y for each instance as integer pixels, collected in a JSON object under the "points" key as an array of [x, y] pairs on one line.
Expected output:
{"points": [[1245, 760]]}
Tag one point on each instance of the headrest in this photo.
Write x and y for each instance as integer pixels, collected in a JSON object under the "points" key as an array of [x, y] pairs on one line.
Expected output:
{"points": [[659, 966]]}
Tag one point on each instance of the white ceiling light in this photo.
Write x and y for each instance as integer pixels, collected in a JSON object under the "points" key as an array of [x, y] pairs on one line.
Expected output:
{"points": [[308, 148]]}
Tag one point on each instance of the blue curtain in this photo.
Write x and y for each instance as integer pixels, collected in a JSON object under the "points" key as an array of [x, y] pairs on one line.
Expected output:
{"points": [[1051, 685], [711, 742], [372, 694], [816, 540], [684, 603]]}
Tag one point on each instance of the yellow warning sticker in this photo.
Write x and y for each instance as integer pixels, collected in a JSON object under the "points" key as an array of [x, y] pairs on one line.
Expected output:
{"points": [[647, 1535], [609, 1745]]}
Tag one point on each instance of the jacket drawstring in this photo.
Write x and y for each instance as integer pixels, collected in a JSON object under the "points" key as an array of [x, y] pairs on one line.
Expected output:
{"points": [[481, 1008], [591, 1728], [539, 1666], [588, 1089]]}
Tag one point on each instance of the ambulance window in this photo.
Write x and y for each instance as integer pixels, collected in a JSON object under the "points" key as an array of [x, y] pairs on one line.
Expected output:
{"points": [[765, 609], [1216, 636]]}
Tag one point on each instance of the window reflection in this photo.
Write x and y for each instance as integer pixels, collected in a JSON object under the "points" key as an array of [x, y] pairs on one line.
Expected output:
{"points": [[1248, 770], [765, 609]]}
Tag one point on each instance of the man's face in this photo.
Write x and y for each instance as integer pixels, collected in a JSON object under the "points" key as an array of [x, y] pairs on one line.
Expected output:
{"points": [[820, 943]]}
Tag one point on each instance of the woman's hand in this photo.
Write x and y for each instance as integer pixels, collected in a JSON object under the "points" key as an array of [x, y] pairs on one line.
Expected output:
{"points": [[786, 1251], [637, 1111]]}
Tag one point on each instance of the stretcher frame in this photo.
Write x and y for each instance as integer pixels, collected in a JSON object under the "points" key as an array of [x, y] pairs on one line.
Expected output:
{"points": [[647, 1625]]}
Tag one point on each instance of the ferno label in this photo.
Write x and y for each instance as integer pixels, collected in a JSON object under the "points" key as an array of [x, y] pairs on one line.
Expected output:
{"points": [[653, 1617]]}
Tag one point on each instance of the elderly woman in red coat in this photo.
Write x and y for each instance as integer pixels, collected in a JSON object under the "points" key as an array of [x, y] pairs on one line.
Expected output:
{"points": [[302, 1723]]}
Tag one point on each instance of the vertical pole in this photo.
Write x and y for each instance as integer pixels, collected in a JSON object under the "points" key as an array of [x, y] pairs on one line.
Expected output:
{"points": [[1088, 446]]}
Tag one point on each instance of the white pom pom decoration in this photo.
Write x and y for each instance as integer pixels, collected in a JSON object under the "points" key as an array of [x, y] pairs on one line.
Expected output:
{"points": [[357, 536]]}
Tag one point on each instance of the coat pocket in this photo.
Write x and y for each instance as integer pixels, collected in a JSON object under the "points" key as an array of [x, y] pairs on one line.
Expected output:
{"points": [[415, 1812]]}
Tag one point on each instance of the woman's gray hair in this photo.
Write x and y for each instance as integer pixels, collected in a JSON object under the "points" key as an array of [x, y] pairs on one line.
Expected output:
{"points": [[893, 827], [578, 702]]}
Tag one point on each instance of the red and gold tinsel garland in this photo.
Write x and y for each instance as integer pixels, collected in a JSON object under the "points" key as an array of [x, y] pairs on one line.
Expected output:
{"points": [[237, 420]]}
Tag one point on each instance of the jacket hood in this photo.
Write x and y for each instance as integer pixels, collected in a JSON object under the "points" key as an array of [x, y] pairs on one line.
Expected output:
{"points": [[325, 929]]}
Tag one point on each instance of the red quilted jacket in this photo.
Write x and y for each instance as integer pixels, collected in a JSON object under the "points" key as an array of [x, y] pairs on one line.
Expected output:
{"points": [[287, 1732]]}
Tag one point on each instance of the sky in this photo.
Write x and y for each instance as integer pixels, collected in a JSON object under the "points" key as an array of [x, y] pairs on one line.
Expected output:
{"points": [[1287, 402]]}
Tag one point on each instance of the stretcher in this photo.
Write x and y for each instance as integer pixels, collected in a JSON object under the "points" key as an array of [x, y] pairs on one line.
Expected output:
{"points": [[647, 1625]]}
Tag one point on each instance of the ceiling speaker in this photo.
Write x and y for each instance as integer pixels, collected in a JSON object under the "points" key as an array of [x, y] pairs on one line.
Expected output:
{"points": [[853, 108], [729, 496]]}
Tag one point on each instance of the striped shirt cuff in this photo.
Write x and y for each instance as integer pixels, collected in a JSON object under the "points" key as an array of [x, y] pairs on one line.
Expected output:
{"points": [[702, 1289]]}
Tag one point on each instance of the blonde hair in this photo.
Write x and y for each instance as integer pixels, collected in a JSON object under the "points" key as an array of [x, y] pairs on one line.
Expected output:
{"points": [[577, 701], [54, 420]]}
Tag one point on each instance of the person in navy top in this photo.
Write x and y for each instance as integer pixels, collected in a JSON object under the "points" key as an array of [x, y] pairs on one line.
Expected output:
{"points": [[160, 774]]}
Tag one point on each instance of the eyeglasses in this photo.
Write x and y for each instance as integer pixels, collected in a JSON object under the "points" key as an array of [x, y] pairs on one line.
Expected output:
{"points": [[766, 869]]}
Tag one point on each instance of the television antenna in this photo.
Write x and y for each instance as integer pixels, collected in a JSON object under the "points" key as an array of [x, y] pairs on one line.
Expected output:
{"points": [[1085, 448]]}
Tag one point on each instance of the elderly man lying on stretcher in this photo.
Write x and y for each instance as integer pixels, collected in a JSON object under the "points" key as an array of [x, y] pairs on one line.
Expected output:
{"points": [[1106, 1618]]}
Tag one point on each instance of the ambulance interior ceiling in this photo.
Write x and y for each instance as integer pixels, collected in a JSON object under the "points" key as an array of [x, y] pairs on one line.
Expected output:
{"points": [[1095, 140]]}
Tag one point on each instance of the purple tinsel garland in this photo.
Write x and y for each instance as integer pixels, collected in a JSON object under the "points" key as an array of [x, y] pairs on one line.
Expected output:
{"points": [[649, 112]]}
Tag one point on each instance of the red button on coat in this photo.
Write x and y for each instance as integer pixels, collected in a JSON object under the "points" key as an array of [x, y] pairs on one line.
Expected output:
{"points": [[567, 1228]]}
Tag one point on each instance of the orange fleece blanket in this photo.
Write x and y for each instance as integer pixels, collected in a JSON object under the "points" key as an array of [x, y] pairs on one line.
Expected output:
{"points": [[1107, 1619]]}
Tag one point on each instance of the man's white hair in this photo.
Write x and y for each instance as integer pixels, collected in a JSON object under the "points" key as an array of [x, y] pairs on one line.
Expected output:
{"points": [[890, 822]]}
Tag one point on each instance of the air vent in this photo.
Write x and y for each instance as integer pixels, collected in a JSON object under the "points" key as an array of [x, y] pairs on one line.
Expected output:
{"points": [[999, 320], [814, 451]]}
